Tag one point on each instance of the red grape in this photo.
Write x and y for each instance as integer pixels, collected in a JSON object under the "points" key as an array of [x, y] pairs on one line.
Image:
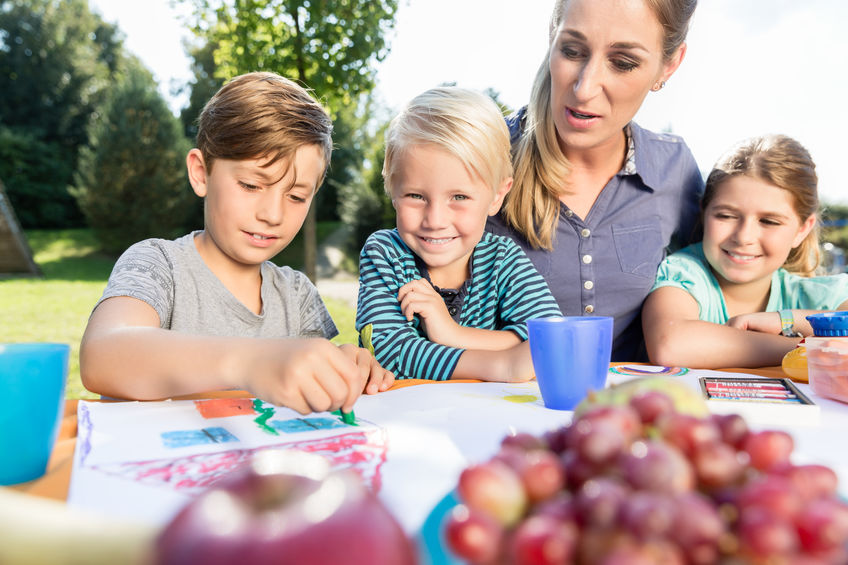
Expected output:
{"points": [[763, 534], [823, 525], [657, 466], [543, 540], [768, 448], [717, 464], [473, 535], [648, 515], [598, 501], [732, 427], [651, 404], [811, 481], [686, 432], [493, 488]]}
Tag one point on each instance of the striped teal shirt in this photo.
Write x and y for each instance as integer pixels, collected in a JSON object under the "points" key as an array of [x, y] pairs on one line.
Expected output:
{"points": [[503, 292]]}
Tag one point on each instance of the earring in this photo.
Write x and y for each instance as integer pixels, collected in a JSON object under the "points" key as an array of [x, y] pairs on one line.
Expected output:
{"points": [[658, 86]]}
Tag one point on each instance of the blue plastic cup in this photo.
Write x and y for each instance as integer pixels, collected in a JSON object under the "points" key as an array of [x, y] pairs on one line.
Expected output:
{"points": [[32, 401], [571, 357]]}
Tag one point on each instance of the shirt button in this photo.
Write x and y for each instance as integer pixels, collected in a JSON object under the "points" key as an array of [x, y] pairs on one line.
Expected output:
{"points": [[585, 232], [568, 213], [588, 285], [587, 259], [589, 309], [452, 310]]}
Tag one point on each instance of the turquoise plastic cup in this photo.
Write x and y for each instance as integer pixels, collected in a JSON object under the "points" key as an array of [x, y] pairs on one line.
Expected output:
{"points": [[32, 401], [571, 356]]}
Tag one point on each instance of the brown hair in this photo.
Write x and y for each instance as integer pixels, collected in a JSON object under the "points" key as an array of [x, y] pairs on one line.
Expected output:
{"points": [[262, 115], [783, 162], [541, 170]]}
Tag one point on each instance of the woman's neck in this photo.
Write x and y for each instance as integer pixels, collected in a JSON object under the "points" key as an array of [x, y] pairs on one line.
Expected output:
{"points": [[591, 170]]}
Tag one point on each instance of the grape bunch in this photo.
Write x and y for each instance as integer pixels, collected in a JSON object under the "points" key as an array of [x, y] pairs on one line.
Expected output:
{"points": [[641, 483]]}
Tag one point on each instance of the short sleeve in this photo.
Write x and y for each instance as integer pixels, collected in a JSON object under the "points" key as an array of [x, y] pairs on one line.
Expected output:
{"points": [[144, 271], [315, 318]]}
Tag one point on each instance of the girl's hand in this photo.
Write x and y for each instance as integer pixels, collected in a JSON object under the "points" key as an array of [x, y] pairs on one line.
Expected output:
{"points": [[419, 297], [764, 322]]}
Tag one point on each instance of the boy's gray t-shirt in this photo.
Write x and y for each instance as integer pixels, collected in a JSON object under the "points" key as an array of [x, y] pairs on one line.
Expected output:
{"points": [[172, 277]]}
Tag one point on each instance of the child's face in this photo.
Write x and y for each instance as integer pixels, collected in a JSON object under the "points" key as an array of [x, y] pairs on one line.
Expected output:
{"points": [[441, 210], [252, 212], [750, 227]]}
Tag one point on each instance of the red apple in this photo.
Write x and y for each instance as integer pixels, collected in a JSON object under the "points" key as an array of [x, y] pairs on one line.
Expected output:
{"points": [[286, 507]]}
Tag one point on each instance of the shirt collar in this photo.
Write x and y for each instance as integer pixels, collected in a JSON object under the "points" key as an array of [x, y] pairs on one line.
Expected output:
{"points": [[639, 157]]}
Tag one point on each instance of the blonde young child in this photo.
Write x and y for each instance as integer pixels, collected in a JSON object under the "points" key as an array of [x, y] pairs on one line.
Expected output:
{"points": [[438, 297], [209, 311], [739, 298]]}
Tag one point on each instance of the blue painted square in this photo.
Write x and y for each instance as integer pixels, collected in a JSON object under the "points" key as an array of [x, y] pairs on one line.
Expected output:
{"points": [[305, 425], [186, 438]]}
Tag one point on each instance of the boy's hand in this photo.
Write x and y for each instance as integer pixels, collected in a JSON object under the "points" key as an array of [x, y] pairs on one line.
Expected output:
{"points": [[373, 376], [419, 297], [765, 322], [306, 375]]}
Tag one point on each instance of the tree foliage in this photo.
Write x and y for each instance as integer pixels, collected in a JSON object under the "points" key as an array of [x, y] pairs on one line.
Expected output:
{"points": [[131, 180], [330, 46], [56, 60]]}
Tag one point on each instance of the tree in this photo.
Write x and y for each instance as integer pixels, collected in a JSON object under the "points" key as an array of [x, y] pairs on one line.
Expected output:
{"points": [[329, 46], [131, 181], [56, 60]]}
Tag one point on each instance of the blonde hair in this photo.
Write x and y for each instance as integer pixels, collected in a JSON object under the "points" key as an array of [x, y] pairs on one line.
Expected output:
{"points": [[541, 170], [464, 123], [259, 115], [782, 162]]}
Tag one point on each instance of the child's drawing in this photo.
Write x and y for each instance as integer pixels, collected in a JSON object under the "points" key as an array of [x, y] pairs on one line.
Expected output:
{"points": [[362, 451]]}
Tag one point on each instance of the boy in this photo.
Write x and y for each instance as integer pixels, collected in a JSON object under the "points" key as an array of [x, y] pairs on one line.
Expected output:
{"points": [[209, 311], [438, 297]]}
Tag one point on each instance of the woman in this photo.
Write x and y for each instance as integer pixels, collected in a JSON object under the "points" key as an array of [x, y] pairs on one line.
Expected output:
{"points": [[597, 199]]}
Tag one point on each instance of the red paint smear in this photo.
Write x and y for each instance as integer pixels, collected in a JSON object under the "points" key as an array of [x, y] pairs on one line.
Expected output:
{"points": [[361, 451], [223, 407]]}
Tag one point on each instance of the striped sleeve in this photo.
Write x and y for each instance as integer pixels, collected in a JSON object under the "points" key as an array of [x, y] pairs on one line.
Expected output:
{"points": [[522, 292], [384, 266]]}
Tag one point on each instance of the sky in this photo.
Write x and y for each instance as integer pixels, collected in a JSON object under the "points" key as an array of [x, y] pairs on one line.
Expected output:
{"points": [[752, 66]]}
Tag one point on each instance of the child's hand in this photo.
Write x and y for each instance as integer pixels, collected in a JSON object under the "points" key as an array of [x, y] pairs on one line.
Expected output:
{"points": [[306, 375], [764, 322], [419, 297], [373, 376]]}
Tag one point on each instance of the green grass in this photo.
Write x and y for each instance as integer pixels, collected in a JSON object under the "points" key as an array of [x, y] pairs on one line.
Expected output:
{"points": [[55, 308]]}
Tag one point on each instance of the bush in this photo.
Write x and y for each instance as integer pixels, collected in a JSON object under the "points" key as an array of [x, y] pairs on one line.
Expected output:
{"points": [[131, 182], [30, 167]]}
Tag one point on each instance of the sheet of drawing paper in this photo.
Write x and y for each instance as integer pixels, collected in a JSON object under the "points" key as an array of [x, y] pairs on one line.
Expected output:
{"points": [[146, 459]]}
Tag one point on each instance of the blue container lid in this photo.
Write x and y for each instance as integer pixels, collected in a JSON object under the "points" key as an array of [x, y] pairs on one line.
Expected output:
{"points": [[829, 324]]}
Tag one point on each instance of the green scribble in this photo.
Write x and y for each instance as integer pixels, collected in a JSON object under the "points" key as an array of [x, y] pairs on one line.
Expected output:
{"points": [[264, 415], [521, 398]]}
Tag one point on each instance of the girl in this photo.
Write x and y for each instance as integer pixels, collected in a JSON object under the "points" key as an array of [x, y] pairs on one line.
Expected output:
{"points": [[740, 298]]}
